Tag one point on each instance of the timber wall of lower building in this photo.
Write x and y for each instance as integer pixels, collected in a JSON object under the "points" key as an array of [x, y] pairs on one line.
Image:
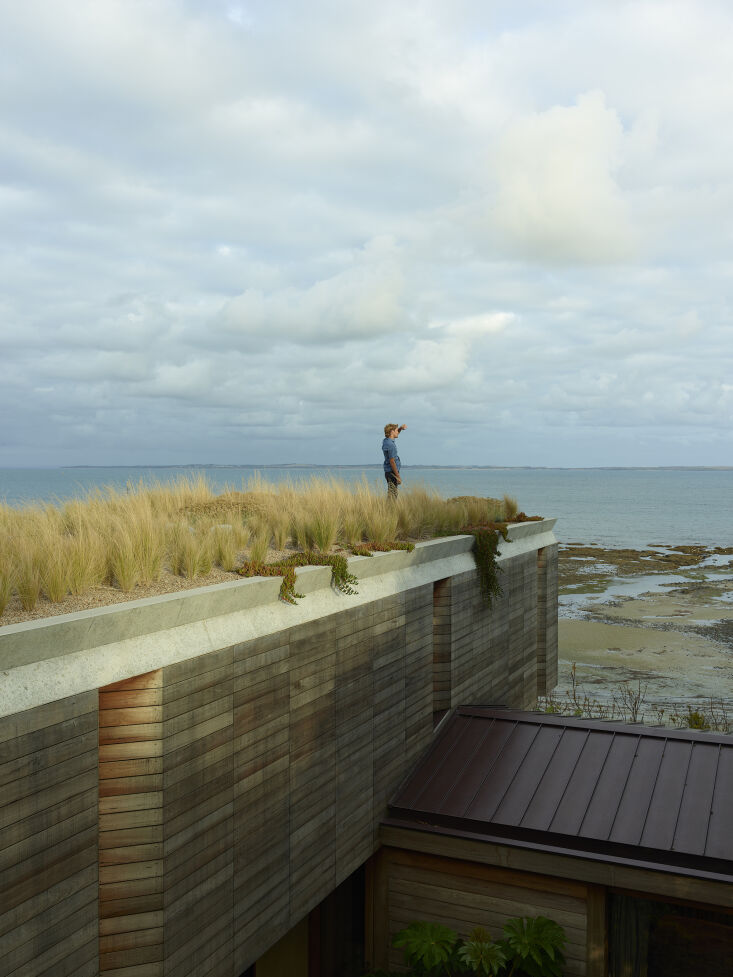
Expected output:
{"points": [[174, 801], [465, 895]]}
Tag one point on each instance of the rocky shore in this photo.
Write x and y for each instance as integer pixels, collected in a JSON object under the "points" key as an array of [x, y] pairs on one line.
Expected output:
{"points": [[661, 618]]}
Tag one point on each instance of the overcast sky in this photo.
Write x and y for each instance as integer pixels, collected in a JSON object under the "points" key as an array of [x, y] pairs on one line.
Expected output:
{"points": [[254, 233]]}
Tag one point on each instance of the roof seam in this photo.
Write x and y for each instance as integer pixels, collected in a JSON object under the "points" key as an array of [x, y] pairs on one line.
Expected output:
{"points": [[652, 793], [572, 774], [493, 764], [598, 779], [684, 788], [712, 801], [547, 767], [467, 762], [519, 767], [623, 791], [438, 766]]}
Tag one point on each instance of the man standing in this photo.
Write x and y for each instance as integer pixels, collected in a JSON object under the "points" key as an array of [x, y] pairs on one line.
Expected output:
{"points": [[391, 458]]}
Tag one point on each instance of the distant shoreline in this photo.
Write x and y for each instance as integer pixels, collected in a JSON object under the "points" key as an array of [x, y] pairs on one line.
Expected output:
{"points": [[378, 467]]}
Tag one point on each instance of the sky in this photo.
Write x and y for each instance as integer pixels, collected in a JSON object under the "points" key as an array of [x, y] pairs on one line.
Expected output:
{"points": [[256, 232]]}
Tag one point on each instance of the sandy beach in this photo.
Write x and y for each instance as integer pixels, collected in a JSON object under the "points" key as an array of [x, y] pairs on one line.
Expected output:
{"points": [[662, 617]]}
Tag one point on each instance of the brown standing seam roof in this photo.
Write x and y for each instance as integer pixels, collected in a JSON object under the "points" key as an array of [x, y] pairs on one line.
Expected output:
{"points": [[654, 797]]}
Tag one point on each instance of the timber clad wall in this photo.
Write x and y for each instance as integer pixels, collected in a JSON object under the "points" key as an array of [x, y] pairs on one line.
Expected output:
{"points": [[198, 809], [547, 619], [178, 823], [130, 827], [441, 645], [463, 895], [48, 840], [494, 656]]}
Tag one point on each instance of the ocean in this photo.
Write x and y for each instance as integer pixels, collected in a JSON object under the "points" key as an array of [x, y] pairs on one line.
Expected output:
{"points": [[609, 507]]}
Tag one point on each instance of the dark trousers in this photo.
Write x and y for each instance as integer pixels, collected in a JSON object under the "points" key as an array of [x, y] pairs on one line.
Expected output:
{"points": [[392, 485]]}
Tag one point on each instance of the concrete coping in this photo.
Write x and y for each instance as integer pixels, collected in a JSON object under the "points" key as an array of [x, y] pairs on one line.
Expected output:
{"points": [[523, 530], [53, 637]]}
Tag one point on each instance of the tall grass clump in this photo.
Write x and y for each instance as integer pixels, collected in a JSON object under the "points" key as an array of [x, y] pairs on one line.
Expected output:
{"points": [[149, 544], [7, 570], [29, 580], [511, 508], [225, 547], [191, 553], [351, 531], [322, 526], [87, 554], [382, 521], [280, 528], [55, 569], [122, 558]]}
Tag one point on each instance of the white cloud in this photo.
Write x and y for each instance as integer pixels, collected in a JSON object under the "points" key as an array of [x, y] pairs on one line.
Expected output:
{"points": [[366, 299], [558, 199]]}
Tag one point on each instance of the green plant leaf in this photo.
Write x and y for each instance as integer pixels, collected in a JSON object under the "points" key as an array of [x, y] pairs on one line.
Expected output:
{"points": [[482, 956], [426, 945], [535, 945]]}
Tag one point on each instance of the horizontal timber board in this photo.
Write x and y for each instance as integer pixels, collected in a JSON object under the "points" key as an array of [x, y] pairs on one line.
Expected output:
{"points": [[44, 819], [135, 750], [53, 721], [31, 765], [122, 899], [129, 699], [138, 732], [150, 680], [116, 942], [109, 874], [133, 716], [46, 936], [131, 924], [36, 847], [130, 957], [146, 834], [133, 767], [40, 789]]}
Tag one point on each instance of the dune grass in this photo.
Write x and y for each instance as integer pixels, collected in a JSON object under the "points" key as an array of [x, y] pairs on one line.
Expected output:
{"points": [[127, 540]]}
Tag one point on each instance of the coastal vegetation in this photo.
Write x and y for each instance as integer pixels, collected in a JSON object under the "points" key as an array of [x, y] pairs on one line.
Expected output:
{"points": [[152, 539], [629, 702]]}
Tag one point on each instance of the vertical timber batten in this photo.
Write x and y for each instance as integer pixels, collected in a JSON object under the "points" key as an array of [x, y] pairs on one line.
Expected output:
{"points": [[441, 647], [131, 827]]}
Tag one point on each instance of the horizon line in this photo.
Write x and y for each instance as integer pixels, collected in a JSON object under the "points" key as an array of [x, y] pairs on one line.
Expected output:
{"points": [[378, 466]]}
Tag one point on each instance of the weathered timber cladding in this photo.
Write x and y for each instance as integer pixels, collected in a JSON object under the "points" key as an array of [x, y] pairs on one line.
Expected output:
{"points": [[261, 880], [48, 839], [441, 645], [178, 823], [494, 655], [463, 895], [547, 619], [326, 718], [130, 827], [198, 808]]}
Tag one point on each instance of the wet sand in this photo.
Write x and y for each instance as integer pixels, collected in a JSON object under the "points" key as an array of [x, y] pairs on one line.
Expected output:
{"points": [[661, 617]]}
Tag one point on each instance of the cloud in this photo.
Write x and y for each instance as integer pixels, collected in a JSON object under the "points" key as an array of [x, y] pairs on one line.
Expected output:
{"points": [[558, 199], [366, 299]]}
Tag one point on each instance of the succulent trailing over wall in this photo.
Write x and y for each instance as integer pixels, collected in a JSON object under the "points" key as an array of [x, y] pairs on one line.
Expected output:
{"points": [[369, 549], [485, 549], [344, 581], [340, 577]]}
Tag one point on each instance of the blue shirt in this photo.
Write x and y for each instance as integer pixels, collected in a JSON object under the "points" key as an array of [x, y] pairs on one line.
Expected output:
{"points": [[389, 447]]}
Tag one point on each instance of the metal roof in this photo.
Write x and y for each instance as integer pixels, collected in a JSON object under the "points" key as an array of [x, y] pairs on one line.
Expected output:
{"points": [[655, 797]]}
